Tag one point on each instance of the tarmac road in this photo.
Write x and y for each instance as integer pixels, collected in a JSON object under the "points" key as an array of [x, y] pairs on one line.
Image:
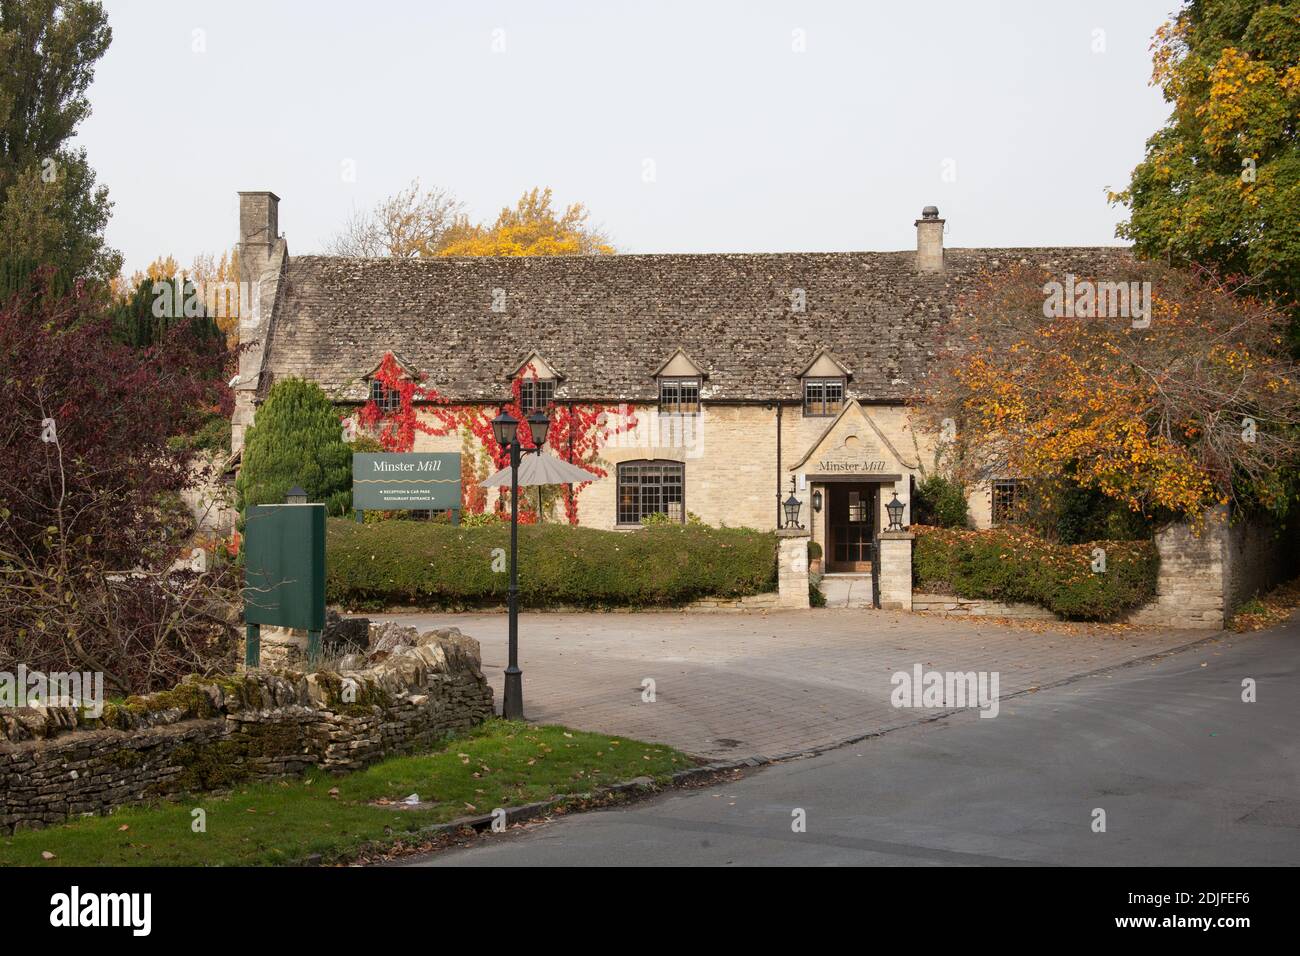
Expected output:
{"points": [[1184, 770]]}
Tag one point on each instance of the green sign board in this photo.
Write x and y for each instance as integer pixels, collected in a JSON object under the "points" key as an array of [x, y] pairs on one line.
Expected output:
{"points": [[284, 566], [414, 481]]}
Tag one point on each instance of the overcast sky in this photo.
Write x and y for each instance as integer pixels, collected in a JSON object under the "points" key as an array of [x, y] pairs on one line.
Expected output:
{"points": [[684, 127]]}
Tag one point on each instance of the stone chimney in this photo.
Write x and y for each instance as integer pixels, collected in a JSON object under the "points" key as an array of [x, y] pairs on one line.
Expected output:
{"points": [[259, 265], [259, 228], [929, 241]]}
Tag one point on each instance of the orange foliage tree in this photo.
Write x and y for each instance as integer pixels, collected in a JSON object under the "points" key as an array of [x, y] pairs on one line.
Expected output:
{"points": [[1194, 404]]}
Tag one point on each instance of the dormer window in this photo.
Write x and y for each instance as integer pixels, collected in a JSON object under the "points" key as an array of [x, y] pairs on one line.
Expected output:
{"points": [[537, 381], [822, 397], [680, 381], [825, 386], [679, 395], [387, 400], [535, 394]]}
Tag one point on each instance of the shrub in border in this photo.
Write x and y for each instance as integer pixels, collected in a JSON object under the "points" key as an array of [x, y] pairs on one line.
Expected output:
{"points": [[1010, 564]]}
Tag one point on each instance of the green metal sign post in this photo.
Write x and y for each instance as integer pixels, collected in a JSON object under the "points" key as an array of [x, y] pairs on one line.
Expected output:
{"points": [[284, 574]]}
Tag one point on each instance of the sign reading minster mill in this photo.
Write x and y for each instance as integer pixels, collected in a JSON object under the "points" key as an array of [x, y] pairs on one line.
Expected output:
{"points": [[859, 466], [413, 481]]}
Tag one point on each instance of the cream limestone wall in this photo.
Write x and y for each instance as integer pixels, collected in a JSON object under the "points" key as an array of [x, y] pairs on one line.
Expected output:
{"points": [[729, 453], [980, 505], [442, 443]]}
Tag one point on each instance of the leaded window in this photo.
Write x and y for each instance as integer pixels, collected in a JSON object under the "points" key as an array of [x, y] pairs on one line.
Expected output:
{"points": [[535, 394], [679, 396], [387, 400], [651, 487], [822, 397], [1008, 497]]}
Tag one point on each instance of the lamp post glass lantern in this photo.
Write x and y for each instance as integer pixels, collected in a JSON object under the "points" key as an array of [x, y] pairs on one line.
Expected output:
{"points": [[538, 426], [295, 496], [895, 509], [791, 507], [505, 428]]}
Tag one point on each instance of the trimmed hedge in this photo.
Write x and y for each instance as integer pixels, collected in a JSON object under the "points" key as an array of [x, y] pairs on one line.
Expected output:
{"points": [[1005, 564], [427, 564]]}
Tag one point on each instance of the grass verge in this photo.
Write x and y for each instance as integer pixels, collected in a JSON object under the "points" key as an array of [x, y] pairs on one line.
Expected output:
{"points": [[499, 764]]}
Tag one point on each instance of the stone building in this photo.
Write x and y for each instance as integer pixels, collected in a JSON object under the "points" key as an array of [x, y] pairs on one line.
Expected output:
{"points": [[742, 372]]}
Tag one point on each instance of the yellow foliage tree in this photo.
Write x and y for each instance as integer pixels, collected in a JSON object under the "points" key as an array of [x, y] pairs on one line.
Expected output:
{"points": [[531, 228]]}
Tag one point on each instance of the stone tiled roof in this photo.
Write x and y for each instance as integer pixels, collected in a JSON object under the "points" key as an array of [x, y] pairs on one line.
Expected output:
{"points": [[609, 321]]}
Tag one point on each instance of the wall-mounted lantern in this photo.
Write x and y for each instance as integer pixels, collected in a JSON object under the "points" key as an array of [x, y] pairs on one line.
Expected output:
{"points": [[817, 500]]}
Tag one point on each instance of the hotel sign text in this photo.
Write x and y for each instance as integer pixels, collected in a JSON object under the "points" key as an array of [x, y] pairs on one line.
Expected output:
{"points": [[414, 481], [865, 467]]}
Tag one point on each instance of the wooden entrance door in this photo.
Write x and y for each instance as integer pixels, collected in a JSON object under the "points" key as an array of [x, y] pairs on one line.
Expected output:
{"points": [[850, 526]]}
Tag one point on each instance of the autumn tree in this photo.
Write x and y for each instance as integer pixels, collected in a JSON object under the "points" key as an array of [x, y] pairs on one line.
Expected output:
{"points": [[1220, 182], [51, 210], [91, 522], [421, 223], [1167, 411], [406, 225], [211, 282], [532, 227]]}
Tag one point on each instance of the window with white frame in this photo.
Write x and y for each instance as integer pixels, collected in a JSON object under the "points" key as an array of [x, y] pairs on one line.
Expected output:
{"points": [[387, 400], [535, 394], [679, 395], [822, 397]]}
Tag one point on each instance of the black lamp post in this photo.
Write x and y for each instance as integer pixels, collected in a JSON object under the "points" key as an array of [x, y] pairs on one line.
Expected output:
{"points": [[895, 509], [505, 428], [791, 507]]}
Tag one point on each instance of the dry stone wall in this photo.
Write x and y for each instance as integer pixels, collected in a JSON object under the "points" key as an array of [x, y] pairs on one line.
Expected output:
{"points": [[210, 734]]}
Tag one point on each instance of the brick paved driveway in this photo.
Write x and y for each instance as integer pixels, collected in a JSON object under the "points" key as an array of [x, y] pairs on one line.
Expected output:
{"points": [[748, 683]]}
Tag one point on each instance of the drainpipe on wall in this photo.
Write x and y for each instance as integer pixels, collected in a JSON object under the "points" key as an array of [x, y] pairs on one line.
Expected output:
{"points": [[570, 457], [778, 465]]}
